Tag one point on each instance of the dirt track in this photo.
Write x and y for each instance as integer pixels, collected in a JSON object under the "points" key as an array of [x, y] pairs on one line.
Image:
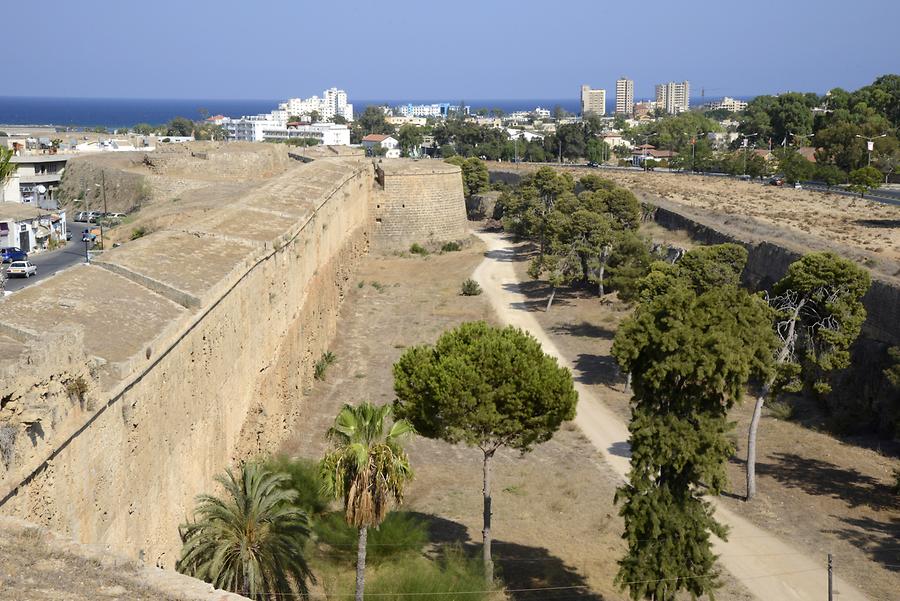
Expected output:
{"points": [[769, 567]]}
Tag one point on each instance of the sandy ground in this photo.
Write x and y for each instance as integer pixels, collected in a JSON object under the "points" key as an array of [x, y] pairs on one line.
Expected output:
{"points": [[554, 520]]}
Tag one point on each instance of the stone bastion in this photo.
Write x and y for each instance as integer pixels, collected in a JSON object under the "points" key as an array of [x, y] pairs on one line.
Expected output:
{"points": [[126, 385], [419, 202]]}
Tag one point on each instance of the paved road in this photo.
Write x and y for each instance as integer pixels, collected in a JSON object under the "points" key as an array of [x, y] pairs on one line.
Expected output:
{"points": [[49, 262], [772, 569]]}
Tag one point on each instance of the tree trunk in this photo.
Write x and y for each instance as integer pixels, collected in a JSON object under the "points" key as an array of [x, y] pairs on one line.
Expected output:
{"points": [[627, 382], [600, 284], [361, 564], [550, 300], [486, 531], [783, 355]]}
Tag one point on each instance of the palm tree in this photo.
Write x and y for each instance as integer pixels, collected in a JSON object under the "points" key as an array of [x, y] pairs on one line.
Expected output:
{"points": [[7, 168], [365, 469], [251, 541]]}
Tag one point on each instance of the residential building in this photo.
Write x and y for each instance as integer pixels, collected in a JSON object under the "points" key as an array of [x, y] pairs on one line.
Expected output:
{"points": [[592, 101], [250, 128], [35, 179], [329, 134], [673, 97], [615, 139], [389, 143], [398, 120], [30, 228], [332, 103], [729, 104], [624, 96], [521, 134]]}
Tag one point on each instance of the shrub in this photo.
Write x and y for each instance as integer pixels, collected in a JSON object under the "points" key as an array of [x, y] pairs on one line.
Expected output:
{"points": [[470, 288], [418, 249], [450, 247], [400, 533], [780, 410], [76, 388], [7, 444], [138, 232], [322, 364], [420, 578], [305, 479]]}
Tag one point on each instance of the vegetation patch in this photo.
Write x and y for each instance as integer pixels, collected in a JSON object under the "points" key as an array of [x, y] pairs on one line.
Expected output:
{"points": [[323, 364], [418, 249], [470, 288]]}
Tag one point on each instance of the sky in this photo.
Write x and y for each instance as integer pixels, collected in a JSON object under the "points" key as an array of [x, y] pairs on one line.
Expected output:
{"points": [[453, 50]]}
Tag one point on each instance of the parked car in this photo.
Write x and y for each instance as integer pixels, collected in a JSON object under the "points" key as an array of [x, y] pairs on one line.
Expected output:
{"points": [[12, 253], [23, 269], [93, 216], [81, 216], [776, 181], [797, 186]]}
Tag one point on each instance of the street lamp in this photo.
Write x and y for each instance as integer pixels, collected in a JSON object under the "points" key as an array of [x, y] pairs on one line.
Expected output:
{"points": [[870, 145], [746, 149]]}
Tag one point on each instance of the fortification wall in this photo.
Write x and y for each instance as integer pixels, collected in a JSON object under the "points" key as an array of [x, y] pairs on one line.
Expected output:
{"points": [[421, 202], [191, 349]]}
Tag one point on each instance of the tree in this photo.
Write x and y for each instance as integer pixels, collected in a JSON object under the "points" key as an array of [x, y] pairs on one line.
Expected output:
{"points": [[830, 174], [486, 387], [864, 179], [143, 129], [819, 313], [314, 117], [474, 173], [180, 126], [410, 138], [251, 541], [793, 165], [691, 356], [366, 469], [373, 121], [597, 151], [7, 168], [340, 120]]}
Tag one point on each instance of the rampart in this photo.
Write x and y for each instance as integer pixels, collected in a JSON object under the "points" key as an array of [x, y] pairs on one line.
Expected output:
{"points": [[421, 202], [130, 383]]}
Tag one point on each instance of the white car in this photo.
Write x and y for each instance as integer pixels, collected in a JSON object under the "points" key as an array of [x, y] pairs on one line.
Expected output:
{"points": [[24, 269]]}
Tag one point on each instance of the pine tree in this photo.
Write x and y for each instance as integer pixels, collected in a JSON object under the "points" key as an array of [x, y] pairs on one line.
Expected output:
{"points": [[690, 354]]}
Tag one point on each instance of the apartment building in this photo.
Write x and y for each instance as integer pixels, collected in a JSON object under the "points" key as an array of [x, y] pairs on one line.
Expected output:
{"points": [[673, 97], [624, 96], [729, 104], [329, 134], [592, 101], [333, 103]]}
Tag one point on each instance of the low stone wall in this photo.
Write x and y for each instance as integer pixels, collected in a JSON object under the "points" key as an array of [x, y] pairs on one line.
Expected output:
{"points": [[190, 351]]}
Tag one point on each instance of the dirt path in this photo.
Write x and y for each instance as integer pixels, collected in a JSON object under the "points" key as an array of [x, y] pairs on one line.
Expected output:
{"points": [[770, 568]]}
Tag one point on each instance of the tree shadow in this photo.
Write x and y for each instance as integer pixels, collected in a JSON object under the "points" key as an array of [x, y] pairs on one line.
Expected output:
{"points": [[583, 330], [879, 540], [506, 255], [523, 567], [878, 223], [536, 293], [817, 477], [520, 566], [597, 369]]}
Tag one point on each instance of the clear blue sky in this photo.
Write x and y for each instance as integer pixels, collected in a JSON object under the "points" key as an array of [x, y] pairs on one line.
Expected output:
{"points": [[454, 49]]}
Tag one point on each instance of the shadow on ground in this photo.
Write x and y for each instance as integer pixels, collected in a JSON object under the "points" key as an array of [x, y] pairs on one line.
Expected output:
{"points": [[880, 540], [520, 566], [598, 369], [536, 293], [817, 477], [885, 223], [584, 330]]}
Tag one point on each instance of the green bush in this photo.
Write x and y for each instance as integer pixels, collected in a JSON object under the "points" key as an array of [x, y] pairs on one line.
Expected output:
{"points": [[418, 249], [400, 533], [451, 247], [138, 232], [322, 364], [780, 410], [470, 288], [420, 579], [305, 479]]}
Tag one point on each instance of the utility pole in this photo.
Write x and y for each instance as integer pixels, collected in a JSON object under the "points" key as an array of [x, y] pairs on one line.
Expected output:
{"points": [[560, 151], [103, 179], [830, 578]]}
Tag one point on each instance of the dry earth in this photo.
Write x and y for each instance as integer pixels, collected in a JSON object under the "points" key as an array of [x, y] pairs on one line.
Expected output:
{"points": [[816, 492], [554, 519]]}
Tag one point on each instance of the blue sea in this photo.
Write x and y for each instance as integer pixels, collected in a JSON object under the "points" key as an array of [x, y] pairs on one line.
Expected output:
{"points": [[125, 112]]}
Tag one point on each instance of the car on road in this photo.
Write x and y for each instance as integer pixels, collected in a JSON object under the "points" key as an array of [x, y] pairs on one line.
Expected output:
{"points": [[776, 181], [22, 269], [12, 253], [797, 186], [81, 216]]}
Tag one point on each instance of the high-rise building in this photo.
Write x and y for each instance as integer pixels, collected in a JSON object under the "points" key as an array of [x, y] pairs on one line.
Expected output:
{"points": [[592, 101], [673, 97], [624, 96]]}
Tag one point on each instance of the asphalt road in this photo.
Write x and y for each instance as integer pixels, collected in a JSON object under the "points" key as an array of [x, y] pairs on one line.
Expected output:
{"points": [[49, 262]]}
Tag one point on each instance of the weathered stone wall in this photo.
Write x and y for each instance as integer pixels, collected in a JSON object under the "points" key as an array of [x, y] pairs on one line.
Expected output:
{"points": [[196, 346], [421, 202]]}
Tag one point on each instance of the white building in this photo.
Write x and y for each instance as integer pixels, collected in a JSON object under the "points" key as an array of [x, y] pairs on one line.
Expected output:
{"points": [[541, 113], [673, 97], [521, 134], [35, 180], [389, 143], [30, 228], [332, 103], [729, 104], [624, 96], [250, 128], [592, 101], [329, 134]]}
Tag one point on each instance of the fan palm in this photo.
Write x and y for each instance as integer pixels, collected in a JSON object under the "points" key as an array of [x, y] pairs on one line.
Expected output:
{"points": [[366, 469], [251, 540], [7, 168]]}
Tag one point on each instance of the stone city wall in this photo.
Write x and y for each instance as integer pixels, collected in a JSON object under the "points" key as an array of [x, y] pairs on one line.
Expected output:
{"points": [[172, 357]]}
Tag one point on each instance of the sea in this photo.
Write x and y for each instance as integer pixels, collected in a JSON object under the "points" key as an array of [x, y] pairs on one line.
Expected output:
{"points": [[125, 112]]}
